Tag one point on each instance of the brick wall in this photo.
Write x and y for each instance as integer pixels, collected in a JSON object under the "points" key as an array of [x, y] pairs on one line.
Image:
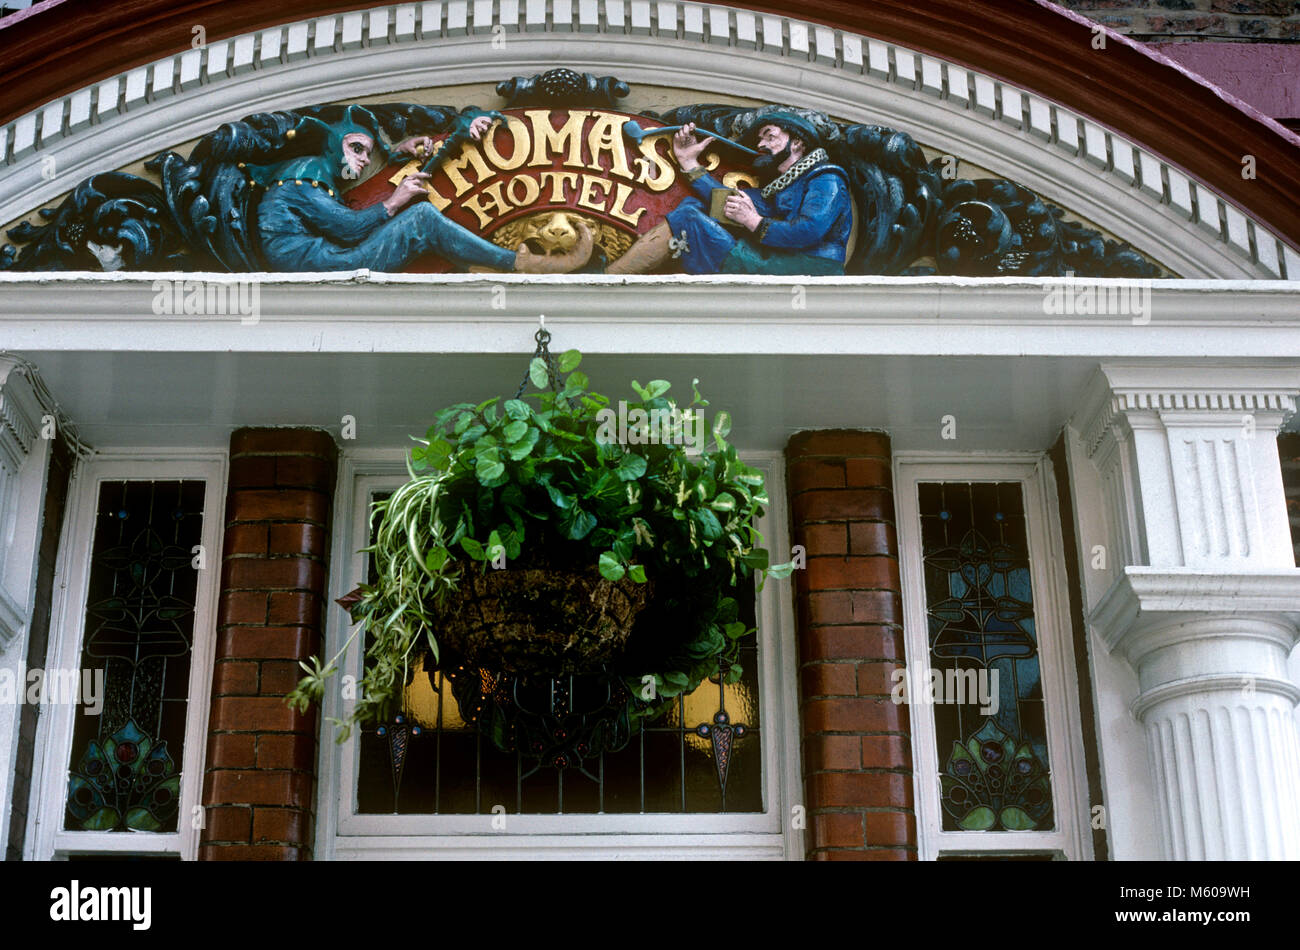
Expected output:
{"points": [[857, 760], [1195, 19], [258, 789]]}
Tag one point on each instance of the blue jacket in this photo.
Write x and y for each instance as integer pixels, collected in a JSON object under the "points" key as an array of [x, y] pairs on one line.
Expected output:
{"points": [[812, 215]]}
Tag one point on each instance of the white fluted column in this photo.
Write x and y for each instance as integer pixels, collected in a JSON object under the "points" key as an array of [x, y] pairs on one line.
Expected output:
{"points": [[1204, 599]]}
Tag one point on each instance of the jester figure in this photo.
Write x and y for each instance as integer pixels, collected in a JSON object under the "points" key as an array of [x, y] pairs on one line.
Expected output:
{"points": [[305, 226], [797, 222]]}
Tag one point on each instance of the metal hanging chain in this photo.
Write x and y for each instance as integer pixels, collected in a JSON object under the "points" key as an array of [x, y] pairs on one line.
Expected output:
{"points": [[543, 350]]}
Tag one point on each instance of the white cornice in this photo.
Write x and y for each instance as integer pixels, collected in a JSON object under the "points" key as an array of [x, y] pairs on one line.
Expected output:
{"points": [[1065, 157], [1251, 323], [1147, 608]]}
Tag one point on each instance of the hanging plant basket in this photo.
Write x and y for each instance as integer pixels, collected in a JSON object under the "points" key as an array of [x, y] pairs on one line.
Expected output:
{"points": [[542, 621], [554, 535]]}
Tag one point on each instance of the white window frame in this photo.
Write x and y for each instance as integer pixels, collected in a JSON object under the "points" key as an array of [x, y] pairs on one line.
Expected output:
{"points": [[46, 837], [343, 834], [1072, 839]]}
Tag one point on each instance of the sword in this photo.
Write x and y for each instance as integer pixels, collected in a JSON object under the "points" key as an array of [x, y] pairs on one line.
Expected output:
{"points": [[634, 131]]}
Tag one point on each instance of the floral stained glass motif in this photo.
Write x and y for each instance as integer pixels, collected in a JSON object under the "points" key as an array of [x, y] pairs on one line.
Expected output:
{"points": [[989, 719], [139, 630]]}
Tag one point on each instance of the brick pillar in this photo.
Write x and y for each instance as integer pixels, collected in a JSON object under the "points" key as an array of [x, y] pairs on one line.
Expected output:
{"points": [[258, 789], [857, 755]]}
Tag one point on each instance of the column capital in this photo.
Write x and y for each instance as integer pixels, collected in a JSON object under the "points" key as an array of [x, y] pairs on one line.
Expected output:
{"points": [[1143, 396]]}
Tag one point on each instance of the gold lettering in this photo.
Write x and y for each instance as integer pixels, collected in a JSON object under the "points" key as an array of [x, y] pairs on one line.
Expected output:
{"points": [[469, 155], [739, 180], [623, 192], [557, 181], [664, 172], [495, 200], [519, 135], [606, 135], [547, 138], [531, 191], [587, 199]]}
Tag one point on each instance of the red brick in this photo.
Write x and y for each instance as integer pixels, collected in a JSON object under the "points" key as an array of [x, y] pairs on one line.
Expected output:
{"points": [[231, 751], [291, 643], [837, 830], [301, 471], [246, 539], [234, 678], [823, 538], [842, 573], [243, 607], [891, 827], [279, 677], [279, 573], [831, 753], [258, 714], [297, 539], [886, 752], [828, 679], [845, 443], [252, 471], [860, 789], [227, 823], [295, 608], [807, 474], [843, 504], [848, 606], [253, 852], [877, 679], [849, 643], [286, 752], [851, 715], [868, 473], [872, 537], [279, 505], [284, 441], [230, 786], [883, 854], [841, 854], [288, 825]]}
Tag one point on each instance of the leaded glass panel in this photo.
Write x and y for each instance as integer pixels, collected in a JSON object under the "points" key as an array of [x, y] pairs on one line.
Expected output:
{"points": [[124, 772], [983, 677]]}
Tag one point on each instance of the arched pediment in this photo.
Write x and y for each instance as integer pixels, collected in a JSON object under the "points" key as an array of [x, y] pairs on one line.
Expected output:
{"points": [[412, 52]]}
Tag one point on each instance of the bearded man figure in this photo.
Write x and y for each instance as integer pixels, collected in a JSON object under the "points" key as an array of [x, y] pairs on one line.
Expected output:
{"points": [[305, 226], [798, 222]]}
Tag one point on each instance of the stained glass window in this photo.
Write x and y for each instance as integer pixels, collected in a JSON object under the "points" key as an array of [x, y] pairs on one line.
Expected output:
{"points": [[983, 676], [701, 756], [129, 733]]}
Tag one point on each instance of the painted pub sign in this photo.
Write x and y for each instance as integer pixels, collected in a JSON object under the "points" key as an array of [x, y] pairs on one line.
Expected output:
{"points": [[558, 179]]}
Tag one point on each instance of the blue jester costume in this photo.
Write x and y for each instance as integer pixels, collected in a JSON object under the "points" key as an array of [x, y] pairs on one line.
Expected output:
{"points": [[305, 226], [807, 217]]}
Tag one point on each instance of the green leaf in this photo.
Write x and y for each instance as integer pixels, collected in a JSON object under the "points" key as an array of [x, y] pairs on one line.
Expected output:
{"points": [[569, 360], [472, 548], [709, 524], [637, 573], [525, 445], [630, 467], [722, 424], [735, 631], [488, 469], [656, 388], [978, 819], [780, 571], [610, 567], [724, 502], [435, 559], [517, 408], [472, 435], [539, 374], [677, 678], [515, 431], [1016, 819], [577, 524]]}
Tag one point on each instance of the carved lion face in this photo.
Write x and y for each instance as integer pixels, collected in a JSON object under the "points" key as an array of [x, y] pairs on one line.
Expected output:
{"points": [[552, 233], [555, 232]]}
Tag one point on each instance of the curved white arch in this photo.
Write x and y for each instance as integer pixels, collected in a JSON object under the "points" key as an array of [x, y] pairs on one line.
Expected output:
{"points": [[1070, 160]]}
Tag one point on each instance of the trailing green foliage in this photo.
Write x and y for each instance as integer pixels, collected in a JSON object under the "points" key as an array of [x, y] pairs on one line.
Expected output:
{"points": [[562, 479]]}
